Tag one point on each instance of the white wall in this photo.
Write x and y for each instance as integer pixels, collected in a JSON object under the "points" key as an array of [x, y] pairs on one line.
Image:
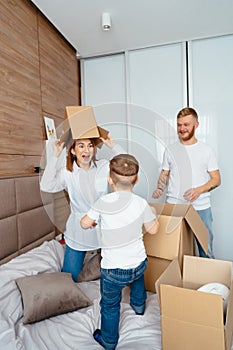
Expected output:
{"points": [[138, 94]]}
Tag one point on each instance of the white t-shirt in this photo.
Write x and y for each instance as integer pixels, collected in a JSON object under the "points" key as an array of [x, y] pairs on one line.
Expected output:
{"points": [[189, 166], [121, 216]]}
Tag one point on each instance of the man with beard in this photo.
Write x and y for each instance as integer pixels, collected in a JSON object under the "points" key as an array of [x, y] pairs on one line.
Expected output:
{"points": [[190, 171]]}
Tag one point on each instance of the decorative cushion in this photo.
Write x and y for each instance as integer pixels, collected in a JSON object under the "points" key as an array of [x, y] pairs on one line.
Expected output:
{"points": [[91, 268], [50, 294]]}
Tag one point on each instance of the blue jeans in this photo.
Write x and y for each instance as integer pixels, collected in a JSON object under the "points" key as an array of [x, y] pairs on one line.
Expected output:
{"points": [[207, 218], [73, 262], [112, 281]]}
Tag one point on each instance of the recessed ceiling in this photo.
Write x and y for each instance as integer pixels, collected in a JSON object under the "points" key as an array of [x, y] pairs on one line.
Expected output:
{"points": [[136, 23]]}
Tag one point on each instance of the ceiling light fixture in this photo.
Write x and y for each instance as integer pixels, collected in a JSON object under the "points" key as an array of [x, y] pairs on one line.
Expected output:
{"points": [[106, 21]]}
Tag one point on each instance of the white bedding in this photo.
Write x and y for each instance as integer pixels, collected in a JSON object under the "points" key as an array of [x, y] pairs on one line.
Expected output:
{"points": [[72, 330]]}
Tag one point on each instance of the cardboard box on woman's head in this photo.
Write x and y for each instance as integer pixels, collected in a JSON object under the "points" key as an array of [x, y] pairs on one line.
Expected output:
{"points": [[80, 123]]}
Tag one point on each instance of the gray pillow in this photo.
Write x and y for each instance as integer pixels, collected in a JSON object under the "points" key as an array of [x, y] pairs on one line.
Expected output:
{"points": [[50, 294], [91, 268]]}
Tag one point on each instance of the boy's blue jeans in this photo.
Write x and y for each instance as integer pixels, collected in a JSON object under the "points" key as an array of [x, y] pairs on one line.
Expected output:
{"points": [[207, 218], [73, 262], [112, 281]]}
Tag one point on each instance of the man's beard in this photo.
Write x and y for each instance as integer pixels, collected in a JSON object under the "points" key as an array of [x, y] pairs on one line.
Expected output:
{"points": [[189, 136]]}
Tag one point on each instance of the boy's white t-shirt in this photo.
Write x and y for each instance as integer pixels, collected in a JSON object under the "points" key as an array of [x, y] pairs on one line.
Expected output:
{"points": [[189, 166], [121, 216], [84, 188]]}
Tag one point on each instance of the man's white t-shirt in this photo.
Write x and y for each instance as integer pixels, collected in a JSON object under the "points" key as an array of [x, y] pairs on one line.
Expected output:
{"points": [[121, 216], [189, 166]]}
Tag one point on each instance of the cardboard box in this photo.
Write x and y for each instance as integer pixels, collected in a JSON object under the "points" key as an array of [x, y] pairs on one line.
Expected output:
{"points": [[191, 319], [80, 123], [179, 223], [155, 267]]}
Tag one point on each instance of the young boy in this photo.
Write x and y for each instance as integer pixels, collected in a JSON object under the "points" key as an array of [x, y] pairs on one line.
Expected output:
{"points": [[121, 215]]}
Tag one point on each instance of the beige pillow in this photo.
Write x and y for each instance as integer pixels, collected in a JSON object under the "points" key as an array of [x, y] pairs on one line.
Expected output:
{"points": [[91, 268], [50, 294]]}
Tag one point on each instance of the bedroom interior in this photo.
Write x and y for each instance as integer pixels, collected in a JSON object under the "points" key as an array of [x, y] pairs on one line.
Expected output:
{"points": [[43, 73]]}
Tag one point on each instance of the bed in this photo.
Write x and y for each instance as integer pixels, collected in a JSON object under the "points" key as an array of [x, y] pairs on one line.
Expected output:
{"points": [[29, 250], [42, 308]]}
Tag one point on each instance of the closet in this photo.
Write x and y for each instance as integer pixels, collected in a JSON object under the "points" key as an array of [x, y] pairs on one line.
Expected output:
{"points": [[137, 94]]}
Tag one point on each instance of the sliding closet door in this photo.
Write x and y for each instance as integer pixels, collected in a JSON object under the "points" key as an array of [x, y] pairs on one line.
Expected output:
{"points": [[137, 96], [103, 87], [156, 92], [211, 86]]}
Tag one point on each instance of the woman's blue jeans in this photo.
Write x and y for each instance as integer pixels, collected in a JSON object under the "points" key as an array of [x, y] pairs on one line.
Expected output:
{"points": [[207, 218], [73, 262], [112, 281]]}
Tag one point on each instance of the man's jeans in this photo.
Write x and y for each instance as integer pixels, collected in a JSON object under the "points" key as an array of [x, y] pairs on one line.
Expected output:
{"points": [[207, 218], [73, 262], [112, 281]]}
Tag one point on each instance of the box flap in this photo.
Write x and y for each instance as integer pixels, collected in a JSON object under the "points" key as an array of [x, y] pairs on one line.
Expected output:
{"points": [[103, 133], [165, 244], [199, 271], [229, 320], [176, 210], [192, 306], [171, 276], [190, 215], [155, 267], [198, 227]]}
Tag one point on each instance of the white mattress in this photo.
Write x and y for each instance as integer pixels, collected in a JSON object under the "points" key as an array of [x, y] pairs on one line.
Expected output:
{"points": [[72, 330]]}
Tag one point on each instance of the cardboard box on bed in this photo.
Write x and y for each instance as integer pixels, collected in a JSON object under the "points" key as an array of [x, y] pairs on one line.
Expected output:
{"points": [[191, 319], [80, 123], [155, 267], [179, 223]]}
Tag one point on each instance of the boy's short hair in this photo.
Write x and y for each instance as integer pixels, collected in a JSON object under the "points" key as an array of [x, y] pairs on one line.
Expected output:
{"points": [[124, 169]]}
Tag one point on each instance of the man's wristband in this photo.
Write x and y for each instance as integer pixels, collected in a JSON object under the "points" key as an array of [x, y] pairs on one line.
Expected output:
{"points": [[160, 189]]}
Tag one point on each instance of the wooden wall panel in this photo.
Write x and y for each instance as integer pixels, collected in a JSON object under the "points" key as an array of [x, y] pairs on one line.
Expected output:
{"points": [[39, 76], [58, 69], [17, 164], [20, 117]]}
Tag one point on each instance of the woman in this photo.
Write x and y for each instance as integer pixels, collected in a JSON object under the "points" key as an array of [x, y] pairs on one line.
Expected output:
{"points": [[85, 180]]}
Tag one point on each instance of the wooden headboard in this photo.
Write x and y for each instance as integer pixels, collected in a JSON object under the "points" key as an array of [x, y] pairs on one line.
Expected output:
{"points": [[26, 216]]}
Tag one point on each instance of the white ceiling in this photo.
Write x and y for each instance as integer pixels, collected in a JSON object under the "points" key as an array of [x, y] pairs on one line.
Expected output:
{"points": [[136, 23]]}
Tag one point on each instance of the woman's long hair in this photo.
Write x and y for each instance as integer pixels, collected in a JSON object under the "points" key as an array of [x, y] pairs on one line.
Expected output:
{"points": [[71, 158]]}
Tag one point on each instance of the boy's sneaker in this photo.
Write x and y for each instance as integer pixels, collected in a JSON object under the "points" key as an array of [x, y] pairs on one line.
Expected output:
{"points": [[97, 336]]}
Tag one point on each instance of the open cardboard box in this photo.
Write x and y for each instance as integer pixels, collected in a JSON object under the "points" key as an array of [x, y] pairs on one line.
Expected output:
{"points": [[179, 223], [191, 319], [80, 123]]}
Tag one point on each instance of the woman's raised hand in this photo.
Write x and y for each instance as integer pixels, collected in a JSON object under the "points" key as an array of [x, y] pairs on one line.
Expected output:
{"points": [[57, 148], [108, 141]]}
